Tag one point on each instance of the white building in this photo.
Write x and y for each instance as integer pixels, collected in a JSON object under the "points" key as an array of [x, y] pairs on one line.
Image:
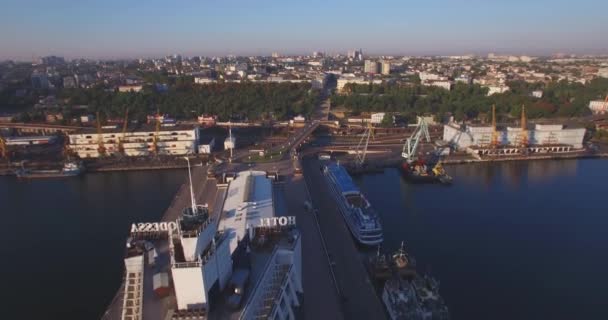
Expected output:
{"points": [[463, 137], [130, 88], [343, 81], [370, 67], [497, 89], [603, 72], [445, 84], [598, 106], [537, 94], [175, 140], [377, 117], [206, 145], [386, 67]]}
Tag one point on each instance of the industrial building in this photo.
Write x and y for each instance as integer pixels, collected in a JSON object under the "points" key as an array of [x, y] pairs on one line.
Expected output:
{"points": [[483, 139], [147, 140]]}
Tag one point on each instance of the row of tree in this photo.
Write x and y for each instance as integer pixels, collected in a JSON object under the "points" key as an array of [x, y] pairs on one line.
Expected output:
{"points": [[185, 100], [465, 102]]}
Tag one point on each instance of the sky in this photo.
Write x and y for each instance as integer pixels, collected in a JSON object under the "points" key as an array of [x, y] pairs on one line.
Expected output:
{"points": [[150, 28]]}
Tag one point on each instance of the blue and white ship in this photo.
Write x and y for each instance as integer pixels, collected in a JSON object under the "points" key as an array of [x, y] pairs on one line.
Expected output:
{"points": [[360, 217]]}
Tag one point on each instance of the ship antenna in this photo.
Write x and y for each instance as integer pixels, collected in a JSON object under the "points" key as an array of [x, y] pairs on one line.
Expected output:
{"points": [[378, 253], [192, 199]]}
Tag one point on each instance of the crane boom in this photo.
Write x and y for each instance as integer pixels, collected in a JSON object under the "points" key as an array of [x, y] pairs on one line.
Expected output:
{"points": [[410, 148], [362, 147]]}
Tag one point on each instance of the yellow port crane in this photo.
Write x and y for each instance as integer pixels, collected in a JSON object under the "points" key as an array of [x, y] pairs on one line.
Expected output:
{"points": [[494, 142], [3, 148], [125, 124], [100, 146], [523, 141]]}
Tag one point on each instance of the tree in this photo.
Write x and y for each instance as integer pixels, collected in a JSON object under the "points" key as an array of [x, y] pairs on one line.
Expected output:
{"points": [[387, 121]]}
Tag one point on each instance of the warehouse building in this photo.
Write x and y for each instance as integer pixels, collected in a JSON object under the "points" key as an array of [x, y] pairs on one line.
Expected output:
{"points": [[477, 139]]}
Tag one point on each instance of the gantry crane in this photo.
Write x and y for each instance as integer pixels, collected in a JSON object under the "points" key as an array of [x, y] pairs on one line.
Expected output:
{"points": [[410, 147], [100, 145], [121, 148], [361, 150], [523, 141]]}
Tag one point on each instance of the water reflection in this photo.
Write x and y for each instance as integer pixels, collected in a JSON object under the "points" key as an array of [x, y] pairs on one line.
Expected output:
{"points": [[513, 173]]}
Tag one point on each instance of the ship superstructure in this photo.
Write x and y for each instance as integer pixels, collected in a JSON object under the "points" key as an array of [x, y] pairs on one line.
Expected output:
{"points": [[238, 262], [362, 220]]}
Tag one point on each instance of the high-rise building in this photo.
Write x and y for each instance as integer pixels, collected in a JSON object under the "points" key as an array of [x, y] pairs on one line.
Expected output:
{"points": [[386, 67], [356, 55], [371, 67]]}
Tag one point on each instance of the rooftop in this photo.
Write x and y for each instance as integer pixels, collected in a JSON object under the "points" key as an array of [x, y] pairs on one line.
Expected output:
{"points": [[249, 199]]}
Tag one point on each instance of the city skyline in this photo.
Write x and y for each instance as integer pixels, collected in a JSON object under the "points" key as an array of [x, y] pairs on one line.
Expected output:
{"points": [[114, 30]]}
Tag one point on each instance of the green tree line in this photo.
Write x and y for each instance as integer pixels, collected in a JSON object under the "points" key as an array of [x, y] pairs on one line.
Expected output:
{"points": [[185, 100], [560, 99]]}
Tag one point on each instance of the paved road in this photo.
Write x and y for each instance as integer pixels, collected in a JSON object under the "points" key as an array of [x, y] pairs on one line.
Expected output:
{"points": [[359, 298], [320, 297]]}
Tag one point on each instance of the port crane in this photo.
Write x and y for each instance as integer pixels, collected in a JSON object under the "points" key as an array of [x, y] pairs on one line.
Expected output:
{"points": [[121, 147], [361, 150], [410, 147], [100, 145], [3, 148]]}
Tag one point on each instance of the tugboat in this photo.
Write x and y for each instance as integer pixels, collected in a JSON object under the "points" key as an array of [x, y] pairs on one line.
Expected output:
{"points": [[418, 171], [70, 169], [408, 295]]}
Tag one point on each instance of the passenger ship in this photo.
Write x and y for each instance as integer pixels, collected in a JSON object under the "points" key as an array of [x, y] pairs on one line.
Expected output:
{"points": [[361, 219]]}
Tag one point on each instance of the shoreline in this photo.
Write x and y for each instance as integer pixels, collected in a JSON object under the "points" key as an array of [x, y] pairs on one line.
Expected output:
{"points": [[377, 164]]}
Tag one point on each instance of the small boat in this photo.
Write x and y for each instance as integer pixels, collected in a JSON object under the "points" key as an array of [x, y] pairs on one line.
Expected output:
{"points": [[419, 172], [70, 169]]}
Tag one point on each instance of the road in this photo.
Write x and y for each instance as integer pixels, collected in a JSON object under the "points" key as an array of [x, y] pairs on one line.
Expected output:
{"points": [[359, 300]]}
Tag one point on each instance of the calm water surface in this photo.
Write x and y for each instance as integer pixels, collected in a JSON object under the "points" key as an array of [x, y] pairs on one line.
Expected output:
{"points": [[508, 240], [63, 240]]}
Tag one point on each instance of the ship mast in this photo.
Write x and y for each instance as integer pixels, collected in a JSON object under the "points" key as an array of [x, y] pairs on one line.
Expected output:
{"points": [[192, 199]]}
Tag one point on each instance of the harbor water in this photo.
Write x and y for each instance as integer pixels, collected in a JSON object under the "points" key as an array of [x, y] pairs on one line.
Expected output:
{"points": [[507, 241], [516, 240], [63, 239]]}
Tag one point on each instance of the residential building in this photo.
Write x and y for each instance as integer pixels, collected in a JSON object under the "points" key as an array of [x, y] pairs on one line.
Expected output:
{"points": [[386, 67], [598, 106], [371, 67]]}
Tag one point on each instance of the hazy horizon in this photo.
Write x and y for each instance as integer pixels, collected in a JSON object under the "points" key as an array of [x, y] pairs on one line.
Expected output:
{"points": [[124, 30]]}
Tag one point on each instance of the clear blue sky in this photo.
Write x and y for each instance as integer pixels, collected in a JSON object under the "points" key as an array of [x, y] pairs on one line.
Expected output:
{"points": [[134, 28]]}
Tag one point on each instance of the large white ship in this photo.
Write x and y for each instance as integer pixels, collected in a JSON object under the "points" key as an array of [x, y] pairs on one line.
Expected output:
{"points": [[361, 219]]}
